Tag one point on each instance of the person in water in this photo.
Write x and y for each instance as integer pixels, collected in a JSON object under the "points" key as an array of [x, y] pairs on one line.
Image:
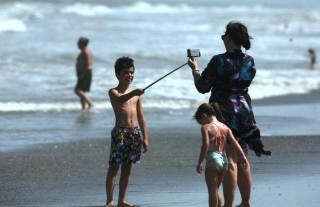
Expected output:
{"points": [[84, 73]]}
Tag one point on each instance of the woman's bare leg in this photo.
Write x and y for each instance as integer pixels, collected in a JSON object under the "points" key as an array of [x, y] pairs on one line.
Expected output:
{"points": [[245, 184], [230, 178]]}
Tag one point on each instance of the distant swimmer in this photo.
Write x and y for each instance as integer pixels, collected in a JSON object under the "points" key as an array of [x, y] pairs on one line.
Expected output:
{"points": [[313, 58]]}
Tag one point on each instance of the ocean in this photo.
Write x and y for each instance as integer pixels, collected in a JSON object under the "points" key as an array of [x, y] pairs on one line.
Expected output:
{"points": [[38, 53]]}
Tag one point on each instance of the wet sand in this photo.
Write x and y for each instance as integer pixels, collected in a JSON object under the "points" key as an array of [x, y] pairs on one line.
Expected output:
{"points": [[73, 174]]}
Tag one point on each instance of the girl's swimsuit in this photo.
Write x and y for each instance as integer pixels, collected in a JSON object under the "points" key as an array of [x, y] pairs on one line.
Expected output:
{"points": [[219, 159]]}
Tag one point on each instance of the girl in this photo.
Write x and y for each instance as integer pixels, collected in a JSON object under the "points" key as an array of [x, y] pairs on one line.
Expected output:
{"points": [[215, 134]]}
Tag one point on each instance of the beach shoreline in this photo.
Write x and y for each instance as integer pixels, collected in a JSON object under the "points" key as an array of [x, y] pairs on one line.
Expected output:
{"points": [[305, 98]]}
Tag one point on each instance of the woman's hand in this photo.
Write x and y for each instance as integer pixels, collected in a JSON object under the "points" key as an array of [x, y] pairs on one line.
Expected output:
{"points": [[243, 161], [192, 62]]}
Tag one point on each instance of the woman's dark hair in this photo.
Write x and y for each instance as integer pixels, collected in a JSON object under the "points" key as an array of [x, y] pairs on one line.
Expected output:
{"points": [[123, 63], [239, 34], [208, 109]]}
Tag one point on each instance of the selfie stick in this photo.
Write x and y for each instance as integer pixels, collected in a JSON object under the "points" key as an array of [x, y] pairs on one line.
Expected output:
{"points": [[164, 76]]}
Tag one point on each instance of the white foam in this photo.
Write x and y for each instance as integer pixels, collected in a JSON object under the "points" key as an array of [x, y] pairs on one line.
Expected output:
{"points": [[14, 15], [87, 9], [75, 106], [44, 107], [277, 82], [145, 7], [14, 25], [21, 10]]}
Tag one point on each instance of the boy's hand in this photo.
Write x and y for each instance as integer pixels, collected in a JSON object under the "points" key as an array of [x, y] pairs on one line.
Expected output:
{"points": [[138, 92], [145, 145]]}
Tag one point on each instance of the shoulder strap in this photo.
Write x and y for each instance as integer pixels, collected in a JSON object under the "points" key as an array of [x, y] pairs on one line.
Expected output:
{"points": [[219, 139]]}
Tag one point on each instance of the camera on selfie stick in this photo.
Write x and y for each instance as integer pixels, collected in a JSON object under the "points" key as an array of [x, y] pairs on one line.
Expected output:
{"points": [[190, 53], [193, 53]]}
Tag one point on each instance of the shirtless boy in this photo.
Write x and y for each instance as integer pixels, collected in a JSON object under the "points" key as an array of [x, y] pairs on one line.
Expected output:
{"points": [[84, 73], [126, 140]]}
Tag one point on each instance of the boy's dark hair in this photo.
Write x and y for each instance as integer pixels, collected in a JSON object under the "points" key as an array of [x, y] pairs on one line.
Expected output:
{"points": [[123, 63], [83, 41]]}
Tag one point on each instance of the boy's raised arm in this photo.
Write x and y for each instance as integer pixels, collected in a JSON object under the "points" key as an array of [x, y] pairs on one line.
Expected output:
{"points": [[121, 98]]}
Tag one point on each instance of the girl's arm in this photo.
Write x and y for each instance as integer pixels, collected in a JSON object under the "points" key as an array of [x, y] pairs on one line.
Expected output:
{"points": [[204, 149], [143, 125], [235, 145]]}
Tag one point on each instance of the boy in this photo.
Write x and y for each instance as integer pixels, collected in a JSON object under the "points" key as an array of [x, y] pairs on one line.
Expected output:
{"points": [[84, 72], [126, 142]]}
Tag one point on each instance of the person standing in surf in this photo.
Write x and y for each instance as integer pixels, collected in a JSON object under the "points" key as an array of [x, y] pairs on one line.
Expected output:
{"points": [[84, 73], [313, 58]]}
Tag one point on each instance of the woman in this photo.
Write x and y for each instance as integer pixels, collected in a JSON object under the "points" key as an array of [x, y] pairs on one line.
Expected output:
{"points": [[228, 76]]}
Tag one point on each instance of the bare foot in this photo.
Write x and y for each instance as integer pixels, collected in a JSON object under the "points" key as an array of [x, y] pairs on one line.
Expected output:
{"points": [[90, 106], [241, 205], [110, 204], [126, 205]]}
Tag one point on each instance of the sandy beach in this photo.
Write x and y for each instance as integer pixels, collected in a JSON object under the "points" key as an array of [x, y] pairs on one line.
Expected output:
{"points": [[73, 174]]}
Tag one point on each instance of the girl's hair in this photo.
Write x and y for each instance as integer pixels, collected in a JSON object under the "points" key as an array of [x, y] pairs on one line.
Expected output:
{"points": [[123, 63], [208, 109], [239, 34]]}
